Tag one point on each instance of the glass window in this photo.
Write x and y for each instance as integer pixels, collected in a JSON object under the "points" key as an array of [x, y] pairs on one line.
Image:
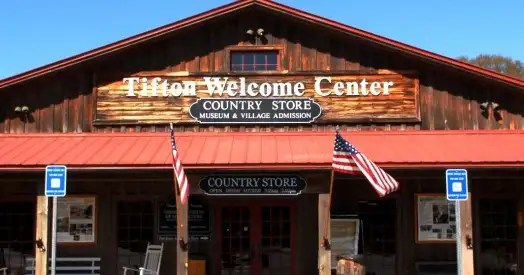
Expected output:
{"points": [[16, 234], [135, 230], [498, 236], [248, 61], [378, 238]]}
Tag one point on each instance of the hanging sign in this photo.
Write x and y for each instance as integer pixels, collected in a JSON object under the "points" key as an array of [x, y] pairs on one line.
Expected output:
{"points": [[252, 185]]}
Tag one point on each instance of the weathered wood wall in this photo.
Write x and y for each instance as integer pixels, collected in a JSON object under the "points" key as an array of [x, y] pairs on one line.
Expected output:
{"points": [[65, 101]]}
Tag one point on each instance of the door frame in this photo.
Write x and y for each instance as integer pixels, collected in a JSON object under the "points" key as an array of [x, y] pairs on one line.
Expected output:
{"points": [[253, 204]]}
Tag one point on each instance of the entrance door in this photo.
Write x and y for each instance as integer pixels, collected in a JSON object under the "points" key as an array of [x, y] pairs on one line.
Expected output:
{"points": [[256, 238]]}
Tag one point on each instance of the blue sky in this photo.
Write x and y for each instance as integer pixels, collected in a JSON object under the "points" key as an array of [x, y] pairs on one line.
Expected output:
{"points": [[35, 33]]}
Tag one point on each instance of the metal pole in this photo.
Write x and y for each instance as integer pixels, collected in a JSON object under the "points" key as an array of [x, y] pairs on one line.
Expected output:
{"points": [[459, 237], [53, 238]]}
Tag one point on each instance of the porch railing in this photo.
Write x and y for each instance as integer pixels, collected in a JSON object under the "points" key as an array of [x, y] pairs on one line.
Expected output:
{"points": [[69, 266]]}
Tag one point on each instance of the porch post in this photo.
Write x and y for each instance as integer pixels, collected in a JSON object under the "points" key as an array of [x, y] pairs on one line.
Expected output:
{"points": [[466, 235], [182, 261], [324, 255], [41, 244]]}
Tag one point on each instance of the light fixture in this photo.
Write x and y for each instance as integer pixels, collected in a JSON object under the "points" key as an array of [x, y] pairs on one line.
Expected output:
{"points": [[25, 109], [250, 32], [494, 105], [18, 109], [484, 106], [260, 32]]}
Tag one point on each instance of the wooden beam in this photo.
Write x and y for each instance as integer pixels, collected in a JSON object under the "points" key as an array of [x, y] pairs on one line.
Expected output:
{"points": [[41, 243], [466, 234], [324, 255]]}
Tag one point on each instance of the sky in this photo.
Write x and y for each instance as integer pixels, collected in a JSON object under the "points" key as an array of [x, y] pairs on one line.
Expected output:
{"points": [[35, 33]]}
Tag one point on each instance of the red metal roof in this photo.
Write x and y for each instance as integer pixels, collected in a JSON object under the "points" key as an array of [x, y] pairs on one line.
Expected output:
{"points": [[261, 150], [235, 5]]}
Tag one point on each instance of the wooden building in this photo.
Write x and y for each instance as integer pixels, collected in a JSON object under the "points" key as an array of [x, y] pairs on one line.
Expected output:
{"points": [[255, 89]]}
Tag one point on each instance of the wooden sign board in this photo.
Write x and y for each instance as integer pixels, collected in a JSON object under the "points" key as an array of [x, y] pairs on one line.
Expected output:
{"points": [[161, 97]]}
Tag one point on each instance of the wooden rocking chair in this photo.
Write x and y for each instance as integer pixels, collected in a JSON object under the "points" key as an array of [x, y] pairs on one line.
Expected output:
{"points": [[151, 262]]}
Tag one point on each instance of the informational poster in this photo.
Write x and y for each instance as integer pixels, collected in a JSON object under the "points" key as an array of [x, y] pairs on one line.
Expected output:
{"points": [[76, 219], [344, 237], [198, 220], [436, 220]]}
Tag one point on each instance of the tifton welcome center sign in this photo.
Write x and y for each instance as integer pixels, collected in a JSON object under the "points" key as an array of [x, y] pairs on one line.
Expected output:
{"points": [[288, 99]]}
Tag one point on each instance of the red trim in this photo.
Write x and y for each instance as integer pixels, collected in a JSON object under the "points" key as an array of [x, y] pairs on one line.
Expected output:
{"points": [[20, 157], [281, 167], [295, 133], [269, 4]]}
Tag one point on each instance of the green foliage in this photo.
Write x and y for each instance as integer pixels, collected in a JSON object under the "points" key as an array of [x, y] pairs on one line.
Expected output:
{"points": [[498, 63]]}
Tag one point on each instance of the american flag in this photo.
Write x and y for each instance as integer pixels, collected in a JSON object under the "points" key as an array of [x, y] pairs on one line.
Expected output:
{"points": [[183, 185], [347, 159]]}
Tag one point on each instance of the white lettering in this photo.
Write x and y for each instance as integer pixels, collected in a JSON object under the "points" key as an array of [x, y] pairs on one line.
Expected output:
{"points": [[317, 85], [154, 85], [130, 85], [216, 84], [337, 87], [224, 86], [375, 88], [386, 87], [298, 89], [265, 89], [363, 85]]}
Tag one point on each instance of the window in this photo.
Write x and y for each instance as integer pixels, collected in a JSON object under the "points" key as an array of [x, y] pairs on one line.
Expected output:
{"points": [[258, 60], [498, 236], [379, 236], [135, 230], [16, 234]]}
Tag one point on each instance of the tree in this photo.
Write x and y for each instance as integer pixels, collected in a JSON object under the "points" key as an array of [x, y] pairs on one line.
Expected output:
{"points": [[497, 63]]}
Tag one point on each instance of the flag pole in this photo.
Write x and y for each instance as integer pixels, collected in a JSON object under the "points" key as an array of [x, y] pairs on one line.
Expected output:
{"points": [[327, 229], [182, 260]]}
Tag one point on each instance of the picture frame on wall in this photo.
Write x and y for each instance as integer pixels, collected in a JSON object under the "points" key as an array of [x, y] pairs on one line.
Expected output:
{"points": [[435, 219], [76, 219]]}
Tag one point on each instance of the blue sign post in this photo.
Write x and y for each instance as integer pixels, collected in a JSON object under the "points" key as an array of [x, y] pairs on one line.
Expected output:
{"points": [[457, 184], [55, 186], [457, 190], [55, 180]]}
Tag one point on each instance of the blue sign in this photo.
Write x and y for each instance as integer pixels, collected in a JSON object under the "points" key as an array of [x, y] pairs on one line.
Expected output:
{"points": [[55, 180], [457, 184]]}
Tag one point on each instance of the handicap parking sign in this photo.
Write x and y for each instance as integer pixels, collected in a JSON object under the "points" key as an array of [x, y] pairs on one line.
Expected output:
{"points": [[457, 184], [55, 180]]}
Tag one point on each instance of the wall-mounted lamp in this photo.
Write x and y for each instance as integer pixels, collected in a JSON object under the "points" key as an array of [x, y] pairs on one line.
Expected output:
{"points": [[22, 109], [494, 107], [260, 32], [23, 112], [259, 35]]}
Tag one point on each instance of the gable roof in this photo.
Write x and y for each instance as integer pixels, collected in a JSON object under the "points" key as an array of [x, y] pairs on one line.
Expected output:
{"points": [[290, 11]]}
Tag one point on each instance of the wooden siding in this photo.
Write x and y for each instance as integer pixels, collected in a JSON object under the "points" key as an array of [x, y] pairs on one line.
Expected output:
{"points": [[65, 101]]}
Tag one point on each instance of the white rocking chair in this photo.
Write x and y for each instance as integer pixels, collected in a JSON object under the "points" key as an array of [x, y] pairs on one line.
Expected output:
{"points": [[151, 262], [3, 270]]}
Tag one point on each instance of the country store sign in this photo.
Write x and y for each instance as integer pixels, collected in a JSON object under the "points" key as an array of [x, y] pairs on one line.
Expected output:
{"points": [[253, 100]]}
